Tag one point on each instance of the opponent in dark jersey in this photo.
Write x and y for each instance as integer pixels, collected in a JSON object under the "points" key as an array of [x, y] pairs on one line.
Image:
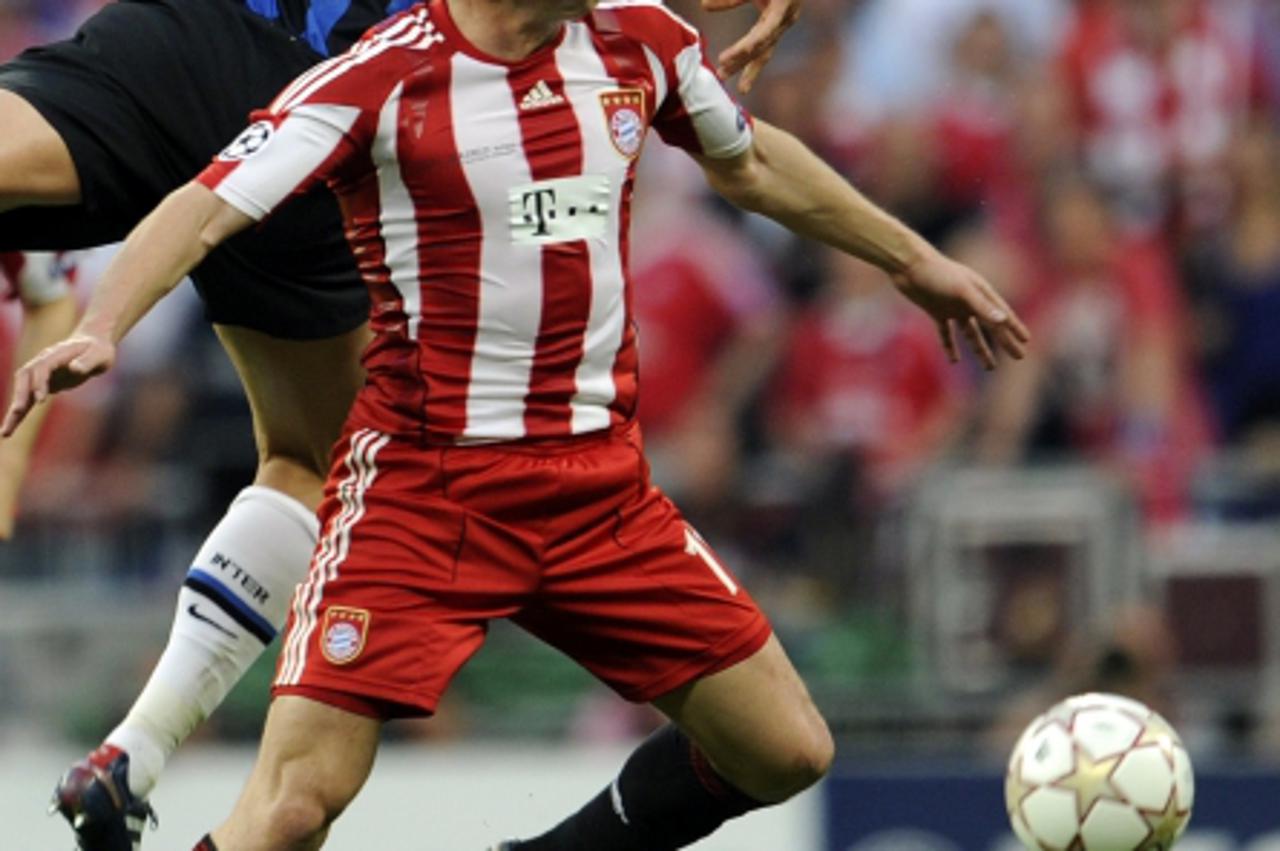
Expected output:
{"points": [[99, 129]]}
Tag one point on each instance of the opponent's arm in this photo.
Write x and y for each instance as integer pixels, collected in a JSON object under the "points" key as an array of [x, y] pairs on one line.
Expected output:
{"points": [[159, 253], [780, 178]]}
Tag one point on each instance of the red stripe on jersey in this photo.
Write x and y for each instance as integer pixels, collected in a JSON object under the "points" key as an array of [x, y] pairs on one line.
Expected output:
{"points": [[389, 352], [449, 250], [625, 61], [553, 146]]}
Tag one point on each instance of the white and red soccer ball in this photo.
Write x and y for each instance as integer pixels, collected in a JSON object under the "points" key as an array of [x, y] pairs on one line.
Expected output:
{"points": [[1099, 772]]}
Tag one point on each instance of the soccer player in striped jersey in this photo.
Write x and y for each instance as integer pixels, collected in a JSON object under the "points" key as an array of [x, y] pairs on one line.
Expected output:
{"points": [[484, 153], [97, 130]]}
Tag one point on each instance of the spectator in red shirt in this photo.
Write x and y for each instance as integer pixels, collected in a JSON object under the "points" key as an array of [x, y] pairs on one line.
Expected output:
{"points": [[1110, 377], [861, 380], [1158, 90]]}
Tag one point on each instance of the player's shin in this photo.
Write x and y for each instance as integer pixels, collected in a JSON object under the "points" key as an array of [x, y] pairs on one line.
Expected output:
{"points": [[667, 796], [234, 600]]}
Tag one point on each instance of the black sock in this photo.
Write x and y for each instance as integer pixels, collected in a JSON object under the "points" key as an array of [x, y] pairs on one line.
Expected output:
{"points": [[666, 797], [205, 844]]}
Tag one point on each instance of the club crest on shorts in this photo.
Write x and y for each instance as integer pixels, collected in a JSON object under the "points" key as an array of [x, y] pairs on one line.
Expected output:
{"points": [[248, 143], [344, 633], [624, 116]]}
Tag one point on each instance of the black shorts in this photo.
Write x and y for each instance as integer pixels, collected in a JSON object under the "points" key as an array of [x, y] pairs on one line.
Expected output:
{"points": [[144, 95]]}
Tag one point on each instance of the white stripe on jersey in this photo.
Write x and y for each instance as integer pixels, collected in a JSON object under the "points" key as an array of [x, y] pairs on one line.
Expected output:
{"points": [[510, 312], [659, 75], [300, 145], [397, 216], [327, 69], [414, 31], [714, 115], [586, 75]]}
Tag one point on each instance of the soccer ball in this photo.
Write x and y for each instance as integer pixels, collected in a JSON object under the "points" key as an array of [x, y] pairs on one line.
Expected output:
{"points": [[1099, 772]]}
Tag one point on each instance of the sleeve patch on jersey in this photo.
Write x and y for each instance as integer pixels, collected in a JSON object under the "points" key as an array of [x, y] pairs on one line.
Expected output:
{"points": [[624, 116], [561, 210], [255, 137]]}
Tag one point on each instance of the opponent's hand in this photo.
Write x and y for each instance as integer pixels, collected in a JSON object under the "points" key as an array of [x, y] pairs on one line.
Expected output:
{"points": [[754, 50], [60, 367], [956, 296]]}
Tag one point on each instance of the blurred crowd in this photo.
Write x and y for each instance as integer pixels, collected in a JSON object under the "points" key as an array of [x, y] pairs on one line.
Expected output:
{"points": [[1112, 166]]}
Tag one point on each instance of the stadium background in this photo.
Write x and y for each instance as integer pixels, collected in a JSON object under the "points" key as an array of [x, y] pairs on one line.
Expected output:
{"points": [[944, 552]]}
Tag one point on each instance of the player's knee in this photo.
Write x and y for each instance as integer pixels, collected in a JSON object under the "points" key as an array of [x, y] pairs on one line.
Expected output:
{"points": [[810, 758], [800, 763]]}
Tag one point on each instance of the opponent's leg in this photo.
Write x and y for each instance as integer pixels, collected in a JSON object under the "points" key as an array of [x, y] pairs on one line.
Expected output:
{"points": [[744, 738], [35, 164], [236, 595], [314, 759]]}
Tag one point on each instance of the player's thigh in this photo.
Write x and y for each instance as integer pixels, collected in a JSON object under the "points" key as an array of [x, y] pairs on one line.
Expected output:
{"points": [[298, 390], [313, 760], [757, 724], [35, 163]]}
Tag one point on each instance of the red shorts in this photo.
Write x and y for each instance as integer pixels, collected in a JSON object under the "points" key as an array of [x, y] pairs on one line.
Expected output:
{"points": [[423, 546]]}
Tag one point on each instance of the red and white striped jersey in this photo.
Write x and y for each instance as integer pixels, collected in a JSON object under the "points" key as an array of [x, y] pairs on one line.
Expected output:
{"points": [[488, 203]]}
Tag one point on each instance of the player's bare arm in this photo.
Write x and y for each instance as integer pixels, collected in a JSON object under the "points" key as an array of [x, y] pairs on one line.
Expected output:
{"points": [[781, 178], [159, 253], [753, 51]]}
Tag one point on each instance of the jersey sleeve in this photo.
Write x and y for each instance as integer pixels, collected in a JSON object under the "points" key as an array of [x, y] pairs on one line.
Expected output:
{"points": [[321, 126], [697, 114], [283, 154]]}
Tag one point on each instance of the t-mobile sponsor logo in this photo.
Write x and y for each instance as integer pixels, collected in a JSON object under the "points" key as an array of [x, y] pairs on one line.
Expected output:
{"points": [[561, 210]]}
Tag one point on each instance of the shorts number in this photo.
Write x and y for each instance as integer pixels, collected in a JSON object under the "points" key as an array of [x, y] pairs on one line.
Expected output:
{"points": [[695, 546]]}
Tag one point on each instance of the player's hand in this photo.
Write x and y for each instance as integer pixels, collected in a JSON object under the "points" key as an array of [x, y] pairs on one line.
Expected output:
{"points": [[60, 367], [955, 296], [754, 50]]}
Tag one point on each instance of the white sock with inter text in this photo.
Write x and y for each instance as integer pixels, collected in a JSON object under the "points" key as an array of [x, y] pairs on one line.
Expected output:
{"points": [[233, 602]]}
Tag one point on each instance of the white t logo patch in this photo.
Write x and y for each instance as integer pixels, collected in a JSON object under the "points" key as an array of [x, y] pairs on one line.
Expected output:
{"points": [[561, 210]]}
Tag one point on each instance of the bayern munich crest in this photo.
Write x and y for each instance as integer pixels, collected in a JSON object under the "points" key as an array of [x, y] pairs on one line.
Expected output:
{"points": [[624, 115], [345, 629]]}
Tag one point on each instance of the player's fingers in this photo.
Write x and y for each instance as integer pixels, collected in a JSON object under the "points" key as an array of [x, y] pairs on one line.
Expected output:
{"points": [[757, 46], [20, 403], [1006, 337], [993, 303], [978, 342], [947, 334], [90, 363], [753, 69], [40, 371]]}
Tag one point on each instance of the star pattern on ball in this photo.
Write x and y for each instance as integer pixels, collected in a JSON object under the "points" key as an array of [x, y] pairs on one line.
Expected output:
{"points": [[1091, 781], [1165, 824], [1158, 732]]}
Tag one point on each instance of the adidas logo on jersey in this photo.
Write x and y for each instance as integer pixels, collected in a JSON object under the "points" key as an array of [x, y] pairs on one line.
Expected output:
{"points": [[540, 96]]}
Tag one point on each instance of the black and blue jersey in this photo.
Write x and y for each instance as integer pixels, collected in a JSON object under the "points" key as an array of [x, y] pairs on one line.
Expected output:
{"points": [[328, 26]]}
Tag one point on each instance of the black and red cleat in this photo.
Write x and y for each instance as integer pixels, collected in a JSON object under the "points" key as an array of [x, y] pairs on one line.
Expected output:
{"points": [[94, 798]]}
